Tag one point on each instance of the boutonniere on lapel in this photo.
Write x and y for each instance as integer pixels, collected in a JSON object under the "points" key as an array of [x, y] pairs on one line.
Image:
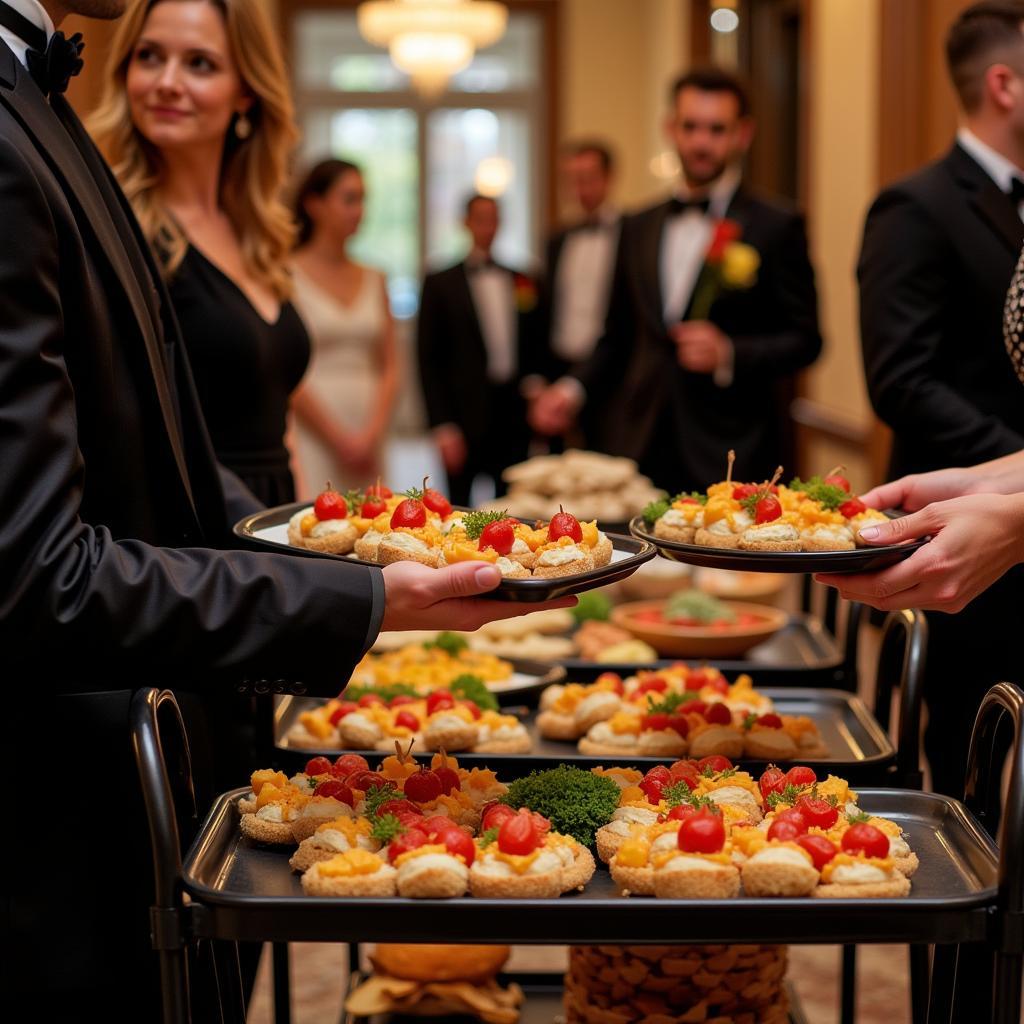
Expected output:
{"points": [[729, 265], [526, 293]]}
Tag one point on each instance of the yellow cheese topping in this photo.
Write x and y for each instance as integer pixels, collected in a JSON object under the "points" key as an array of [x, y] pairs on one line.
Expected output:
{"points": [[633, 853], [260, 778], [629, 775], [623, 722], [350, 828], [466, 551], [317, 723], [659, 860], [306, 524], [632, 795], [532, 538], [519, 863], [351, 862], [420, 851], [720, 508], [569, 698], [393, 769], [590, 533]]}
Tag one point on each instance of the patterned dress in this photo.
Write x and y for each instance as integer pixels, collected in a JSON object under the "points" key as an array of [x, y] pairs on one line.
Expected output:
{"points": [[1013, 319]]}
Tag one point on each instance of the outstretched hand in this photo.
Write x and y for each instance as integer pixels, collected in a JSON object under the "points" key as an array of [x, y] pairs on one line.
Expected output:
{"points": [[975, 539], [418, 597]]}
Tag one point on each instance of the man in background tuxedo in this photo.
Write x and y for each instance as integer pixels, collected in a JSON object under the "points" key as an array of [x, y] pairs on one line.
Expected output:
{"points": [[112, 511], [477, 342], [938, 254], [676, 391], [578, 272]]}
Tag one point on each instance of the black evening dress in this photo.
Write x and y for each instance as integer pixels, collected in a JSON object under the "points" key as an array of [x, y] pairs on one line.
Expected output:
{"points": [[245, 369]]}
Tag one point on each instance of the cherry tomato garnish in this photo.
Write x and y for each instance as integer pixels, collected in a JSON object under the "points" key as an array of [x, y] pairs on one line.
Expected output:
{"points": [[402, 698], [500, 535], [411, 840], [821, 849], [473, 709], [407, 720], [613, 678], [837, 480], [409, 513], [564, 524], [817, 812], [423, 786], [694, 707], [437, 825], [337, 789], [369, 699], [716, 762], [801, 776], [318, 766], [518, 834], [652, 683], [660, 774], [365, 781], [866, 839], [770, 721], [794, 817], [400, 806], [703, 832], [440, 700], [345, 765], [719, 684], [458, 844], [652, 790], [378, 490], [679, 724], [773, 780], [346, 707], [450, 781], [767, 510], [330, 505], [741, 491], [655, 722], [785, 831], [680, 811], [852, 508], [372, 507], [686, 771], [718, 713], [494, 814], [437, 502]]}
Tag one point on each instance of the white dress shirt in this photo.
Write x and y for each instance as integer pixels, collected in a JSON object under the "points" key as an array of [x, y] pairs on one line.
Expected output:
{"points": [[582, 286], [34, 12], [685, 240], [1001, 170], [494, 298]]}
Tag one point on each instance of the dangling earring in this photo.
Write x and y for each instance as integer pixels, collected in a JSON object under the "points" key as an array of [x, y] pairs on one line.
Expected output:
{"points": [[243, 127]]}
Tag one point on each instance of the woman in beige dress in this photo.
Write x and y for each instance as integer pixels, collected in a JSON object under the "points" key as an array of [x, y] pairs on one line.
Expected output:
{"points": [[344, 405]]}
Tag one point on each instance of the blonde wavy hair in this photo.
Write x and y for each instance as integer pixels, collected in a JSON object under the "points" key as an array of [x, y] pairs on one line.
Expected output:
{"points": [[254, 170]]}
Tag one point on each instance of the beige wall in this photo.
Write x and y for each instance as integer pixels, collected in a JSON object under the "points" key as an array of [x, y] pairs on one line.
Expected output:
{"points": [[617, 59], [843, 182]]}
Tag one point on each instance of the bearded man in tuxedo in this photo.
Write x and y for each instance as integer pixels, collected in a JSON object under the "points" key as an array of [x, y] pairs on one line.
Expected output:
{"points": [[115, 568], [686, 370]]}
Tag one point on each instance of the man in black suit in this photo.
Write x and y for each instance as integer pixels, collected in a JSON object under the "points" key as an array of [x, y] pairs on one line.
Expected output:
{"points": [[938, 254], [578, 272], [476, 342], [112, 509], [675, 384]]}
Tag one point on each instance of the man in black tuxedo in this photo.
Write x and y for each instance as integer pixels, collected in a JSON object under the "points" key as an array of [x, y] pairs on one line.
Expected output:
{"points": [[678, 386], [477, 343], [578, 272], [112, 511], [938, 254]]}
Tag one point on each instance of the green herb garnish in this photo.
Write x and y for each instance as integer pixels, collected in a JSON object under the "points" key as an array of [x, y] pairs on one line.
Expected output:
{"points": [[789, 795], [696, 605], [475, 689], [577, 802], [655, 510], [450, 643], [376, 798], [354, 499], [474, 522], [668, 704], [859, 818], [696, 495], [680, 793], [828, 495], [489, 836], [385, 828], [748, 723], [592, 605]]}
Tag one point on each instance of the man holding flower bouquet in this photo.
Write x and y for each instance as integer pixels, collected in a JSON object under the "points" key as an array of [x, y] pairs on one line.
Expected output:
{"points": [[713, 309]]}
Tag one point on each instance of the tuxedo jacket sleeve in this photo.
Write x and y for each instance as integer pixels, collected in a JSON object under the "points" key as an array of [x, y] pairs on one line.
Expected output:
{"points": [[906, 286], [787, 337], [436, 378], [74, 600]]}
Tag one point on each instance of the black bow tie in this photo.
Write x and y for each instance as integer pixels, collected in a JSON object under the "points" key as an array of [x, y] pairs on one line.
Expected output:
{"points": [[1017, 190], [677, 205], [51, 64]]}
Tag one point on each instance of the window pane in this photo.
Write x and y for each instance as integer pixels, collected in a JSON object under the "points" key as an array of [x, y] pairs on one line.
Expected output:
{"points": [[457, 142], [331, 54], [383, 143], [512, 63]]}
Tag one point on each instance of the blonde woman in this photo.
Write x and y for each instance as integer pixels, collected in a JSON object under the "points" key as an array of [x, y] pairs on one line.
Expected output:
{"points": [[196, 121], [344, 406]]}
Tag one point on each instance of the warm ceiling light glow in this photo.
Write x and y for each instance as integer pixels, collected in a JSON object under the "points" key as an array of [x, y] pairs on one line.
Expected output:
{"points": [[724, 20], [431, 40], [493, 176]]}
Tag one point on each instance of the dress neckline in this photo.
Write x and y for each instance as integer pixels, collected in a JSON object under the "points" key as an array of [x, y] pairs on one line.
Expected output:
{"points": [[347, 307], [238, 288]]}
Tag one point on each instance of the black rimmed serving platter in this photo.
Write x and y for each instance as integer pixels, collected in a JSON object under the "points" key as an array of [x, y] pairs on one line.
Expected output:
{"points": [[858, 748], [268, 531], [239, 888], [859, 560]]}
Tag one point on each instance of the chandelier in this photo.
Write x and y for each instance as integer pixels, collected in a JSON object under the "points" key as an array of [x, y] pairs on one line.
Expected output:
{"points": [[431, 40]]}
